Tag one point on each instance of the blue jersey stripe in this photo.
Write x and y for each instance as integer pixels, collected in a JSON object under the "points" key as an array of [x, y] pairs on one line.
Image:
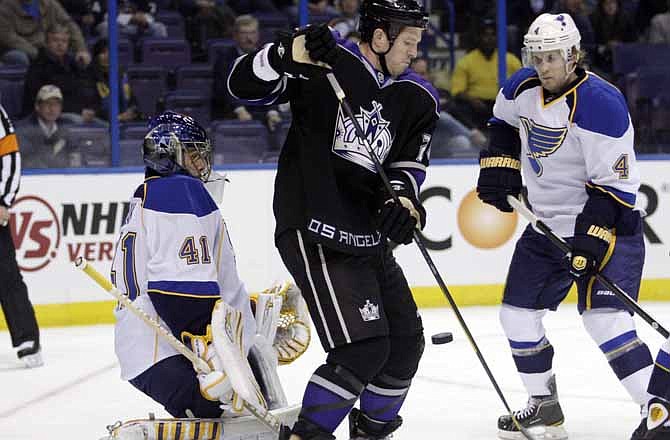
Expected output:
{"points": [[521, 345], [193, 196], [617, 342], [626, 199], [663, 359], [205, 289]]}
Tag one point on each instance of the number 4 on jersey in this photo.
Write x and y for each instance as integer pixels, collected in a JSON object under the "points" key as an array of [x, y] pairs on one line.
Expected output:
{"points": [[189, 251]]}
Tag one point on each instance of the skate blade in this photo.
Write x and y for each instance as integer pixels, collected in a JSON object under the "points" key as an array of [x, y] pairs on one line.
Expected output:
{"points": [[537, 432]]}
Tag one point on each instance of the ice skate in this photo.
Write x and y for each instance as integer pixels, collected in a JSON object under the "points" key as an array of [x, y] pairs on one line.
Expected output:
{"points": [[30, 354], [362, 428], [542, 416]]}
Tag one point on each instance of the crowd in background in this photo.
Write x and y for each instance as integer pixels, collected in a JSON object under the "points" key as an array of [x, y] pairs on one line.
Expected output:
{"points": [[62, 45]]}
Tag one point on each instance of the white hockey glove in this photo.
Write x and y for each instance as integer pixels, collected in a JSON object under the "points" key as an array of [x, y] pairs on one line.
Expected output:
{"points": [[214, 385], [293, 330]]}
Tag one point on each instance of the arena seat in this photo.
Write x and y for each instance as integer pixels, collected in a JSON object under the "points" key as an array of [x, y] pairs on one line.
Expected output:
{"points": [[239, 141]]}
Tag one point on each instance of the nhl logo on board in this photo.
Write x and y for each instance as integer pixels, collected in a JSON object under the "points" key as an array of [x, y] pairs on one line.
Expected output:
{"points": [[369, 312]]}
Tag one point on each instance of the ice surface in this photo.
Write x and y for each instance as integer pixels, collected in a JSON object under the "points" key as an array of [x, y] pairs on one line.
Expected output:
{"points": [[78, 391]]}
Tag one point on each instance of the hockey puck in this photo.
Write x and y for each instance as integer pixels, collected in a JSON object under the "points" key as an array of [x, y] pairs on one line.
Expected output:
{"points": [[442, 338]]}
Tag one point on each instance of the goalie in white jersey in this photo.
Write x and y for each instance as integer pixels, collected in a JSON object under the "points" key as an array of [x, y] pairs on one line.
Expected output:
{"points": [[570, 134], [175, 261]]}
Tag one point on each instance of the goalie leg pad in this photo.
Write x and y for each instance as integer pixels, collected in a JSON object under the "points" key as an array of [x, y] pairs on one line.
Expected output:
{"points": [[173, 383], [227, 332]]}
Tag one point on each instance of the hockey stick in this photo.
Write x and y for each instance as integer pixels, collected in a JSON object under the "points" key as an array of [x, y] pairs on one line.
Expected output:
{"points": [[560, 243], [341, 97], [263, 415]]}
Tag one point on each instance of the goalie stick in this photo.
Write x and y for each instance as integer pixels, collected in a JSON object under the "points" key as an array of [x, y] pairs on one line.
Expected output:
{"points": [[339, 93], [263, 415], [563, 245]]}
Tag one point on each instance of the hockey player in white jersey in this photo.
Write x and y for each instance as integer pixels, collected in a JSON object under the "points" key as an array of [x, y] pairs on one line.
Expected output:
{"points": [[174, 260], [569, 132]]}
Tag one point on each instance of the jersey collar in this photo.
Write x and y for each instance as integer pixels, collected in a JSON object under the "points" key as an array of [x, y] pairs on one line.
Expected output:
{"points": [[549, 98]]}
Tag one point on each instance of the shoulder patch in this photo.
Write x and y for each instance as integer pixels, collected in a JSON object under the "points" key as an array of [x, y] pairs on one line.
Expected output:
{"points": [[522, 80], [601, 108], [178, 194]]}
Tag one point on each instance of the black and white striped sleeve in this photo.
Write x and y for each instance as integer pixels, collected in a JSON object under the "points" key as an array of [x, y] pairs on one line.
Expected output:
{"points": [[10, 161]]}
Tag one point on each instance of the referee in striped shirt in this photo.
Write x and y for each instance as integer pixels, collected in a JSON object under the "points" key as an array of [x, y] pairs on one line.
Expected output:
{"points": [[16, 306]]}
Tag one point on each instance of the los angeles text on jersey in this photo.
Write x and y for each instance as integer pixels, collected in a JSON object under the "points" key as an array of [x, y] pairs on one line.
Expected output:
{"points": [[345, 237]]}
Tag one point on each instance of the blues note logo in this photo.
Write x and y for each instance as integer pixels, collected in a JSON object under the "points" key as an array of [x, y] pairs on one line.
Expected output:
{"points": [[347, 144], [542, 142]]}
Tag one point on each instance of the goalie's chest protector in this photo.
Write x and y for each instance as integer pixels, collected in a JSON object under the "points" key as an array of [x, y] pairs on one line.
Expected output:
{"points": [[326, 177]]}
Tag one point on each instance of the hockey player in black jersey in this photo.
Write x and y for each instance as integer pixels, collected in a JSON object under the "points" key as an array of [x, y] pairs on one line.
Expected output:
{"points": [[334, 218]]}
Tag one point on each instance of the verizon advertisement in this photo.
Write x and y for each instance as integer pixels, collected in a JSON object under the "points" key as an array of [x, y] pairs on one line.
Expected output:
{"points": [[57, 218]]}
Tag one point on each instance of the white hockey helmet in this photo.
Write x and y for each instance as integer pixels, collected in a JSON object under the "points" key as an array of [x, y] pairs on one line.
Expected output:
{"points": [[550, 32]]}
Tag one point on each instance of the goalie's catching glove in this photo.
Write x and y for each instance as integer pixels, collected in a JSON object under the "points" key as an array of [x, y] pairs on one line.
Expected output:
{"points": [[293, 331], [214, 385]]}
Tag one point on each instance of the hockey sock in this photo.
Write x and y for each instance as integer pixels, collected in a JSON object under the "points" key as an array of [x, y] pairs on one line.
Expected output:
{"points": [[531, 350], [382, 398], [628, 356], [330, 394], [659, 385]]}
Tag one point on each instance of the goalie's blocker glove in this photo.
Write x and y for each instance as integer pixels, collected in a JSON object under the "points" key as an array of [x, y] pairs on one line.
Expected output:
{"points": [[499, 176]]}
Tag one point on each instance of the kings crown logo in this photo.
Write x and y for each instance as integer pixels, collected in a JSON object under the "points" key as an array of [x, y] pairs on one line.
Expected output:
{"points": [[347, 144], [369, 312], [542, 142]]}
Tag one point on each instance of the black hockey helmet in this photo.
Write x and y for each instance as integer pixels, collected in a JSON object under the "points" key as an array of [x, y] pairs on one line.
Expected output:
{"points": [[391, 16]]}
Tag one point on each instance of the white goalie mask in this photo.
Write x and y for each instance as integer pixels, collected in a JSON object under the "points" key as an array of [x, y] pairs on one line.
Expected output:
{"points": [[550, 32]]}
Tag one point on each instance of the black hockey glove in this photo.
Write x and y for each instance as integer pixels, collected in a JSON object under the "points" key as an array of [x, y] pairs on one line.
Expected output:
{"points": [[288, 55], [398, 221], [589, 247], [321, 44], [499, 176]]}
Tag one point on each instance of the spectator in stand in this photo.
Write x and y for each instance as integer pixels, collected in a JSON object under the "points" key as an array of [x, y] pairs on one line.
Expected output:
{"points": [[611, 27], [646, 10], [56, 65], [347, 22], [322, 9], [128, 111], [474, 83], [578, 12], [43, 135], [242, 7], [22, 30], [451, 137], [88, 14], [659, 30], [135, 20], [205, 20], [521, 14], [224, 106]]}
